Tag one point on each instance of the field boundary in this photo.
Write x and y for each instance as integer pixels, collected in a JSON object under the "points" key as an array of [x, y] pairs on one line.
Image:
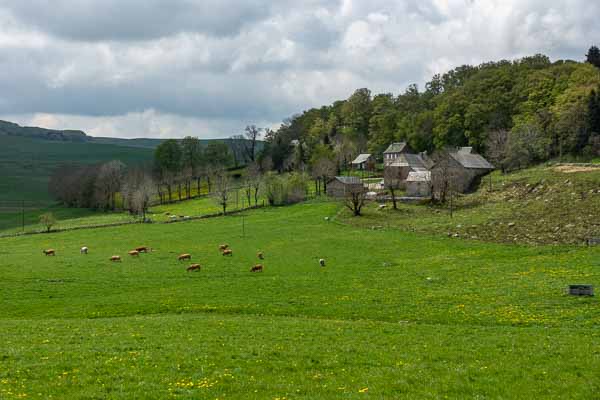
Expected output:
{"points": [[115, 224]]}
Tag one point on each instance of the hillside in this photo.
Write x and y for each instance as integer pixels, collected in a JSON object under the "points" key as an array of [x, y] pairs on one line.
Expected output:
{"points": [[27, 162]]}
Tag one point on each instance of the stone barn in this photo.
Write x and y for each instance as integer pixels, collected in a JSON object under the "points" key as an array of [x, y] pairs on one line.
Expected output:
{"points": [[418, 184], [462, 167], [341, 185]]}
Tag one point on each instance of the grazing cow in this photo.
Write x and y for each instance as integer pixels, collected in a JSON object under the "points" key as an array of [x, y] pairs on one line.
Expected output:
{"points": [[84, 250], [227, 252], [260, 255], [257, 268], [115, 259], [49, 252], [143, 249], [223, 247], [134, 253], [193, 267], [322, 262], [185, 256]]}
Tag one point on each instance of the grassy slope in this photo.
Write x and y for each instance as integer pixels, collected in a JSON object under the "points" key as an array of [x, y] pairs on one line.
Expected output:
{"points": [[28, 163], [404, 315], [544, 204]]}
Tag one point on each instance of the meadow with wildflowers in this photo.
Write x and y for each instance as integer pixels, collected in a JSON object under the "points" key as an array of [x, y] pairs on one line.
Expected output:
{"points": [[391, 315]]}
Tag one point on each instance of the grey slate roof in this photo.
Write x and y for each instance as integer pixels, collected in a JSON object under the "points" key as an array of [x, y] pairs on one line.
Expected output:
{"points": [[361, 158], [349, 180], [414, 161], [395, 147], [465, 157]]}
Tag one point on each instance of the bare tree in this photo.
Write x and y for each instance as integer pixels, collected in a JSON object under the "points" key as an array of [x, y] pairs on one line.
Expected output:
{"points": [[392, 182], [497, 145], [255, 176], [141, 197], [354, 199], [253, 134], [48, 220], [138, 190], [222, 188], [322, 170], [444, 179], [108, 183]]}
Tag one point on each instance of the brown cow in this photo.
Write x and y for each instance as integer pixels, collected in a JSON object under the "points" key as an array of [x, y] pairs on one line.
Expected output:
{"points": [[185, 256], [227, 252], [134, 253], [260, 255], [49, 252], [143, 249], [223, 247], [257, 268], [194, 267], [115, 259]]}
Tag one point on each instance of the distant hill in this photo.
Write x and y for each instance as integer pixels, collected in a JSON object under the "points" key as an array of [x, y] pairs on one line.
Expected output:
{"points": [[12, 129]]}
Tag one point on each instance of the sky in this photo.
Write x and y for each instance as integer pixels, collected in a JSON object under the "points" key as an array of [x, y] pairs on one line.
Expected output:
{"points": [[208, 68]]}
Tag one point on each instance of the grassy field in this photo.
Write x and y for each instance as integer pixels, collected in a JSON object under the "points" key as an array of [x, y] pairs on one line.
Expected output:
{"points": [[393, 314]]}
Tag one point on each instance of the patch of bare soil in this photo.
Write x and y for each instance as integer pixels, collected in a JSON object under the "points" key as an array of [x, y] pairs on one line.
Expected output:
{"points": [[570, 169]]}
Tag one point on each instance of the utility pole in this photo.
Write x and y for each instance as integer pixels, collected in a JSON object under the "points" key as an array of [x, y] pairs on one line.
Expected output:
{"points": [[23, 214]]}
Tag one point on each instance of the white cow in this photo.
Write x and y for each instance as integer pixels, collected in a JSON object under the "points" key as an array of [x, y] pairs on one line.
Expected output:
{"points": [[84, 250]]}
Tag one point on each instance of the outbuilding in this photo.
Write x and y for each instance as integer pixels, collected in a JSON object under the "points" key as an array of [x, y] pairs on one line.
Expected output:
{"points": [[418, 184], [340, 186], [364, 162]]}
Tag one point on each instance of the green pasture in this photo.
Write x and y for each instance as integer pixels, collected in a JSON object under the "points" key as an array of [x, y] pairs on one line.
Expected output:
{"points": [[392, 315]]}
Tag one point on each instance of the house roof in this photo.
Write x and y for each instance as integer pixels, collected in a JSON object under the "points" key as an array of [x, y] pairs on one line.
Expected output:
{"points": [[414, 161], [349, 180], [419, 176], [465, 157], [361, 158], [395, 147]]}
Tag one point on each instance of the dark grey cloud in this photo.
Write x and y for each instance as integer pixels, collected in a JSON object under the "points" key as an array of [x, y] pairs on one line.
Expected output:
{"points": [[92, 20]]}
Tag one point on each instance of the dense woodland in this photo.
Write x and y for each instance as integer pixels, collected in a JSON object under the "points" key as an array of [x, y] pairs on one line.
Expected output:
{"points": [[514, 112]]}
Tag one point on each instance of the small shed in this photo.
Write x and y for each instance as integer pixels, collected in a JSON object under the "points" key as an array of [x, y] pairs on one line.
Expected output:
{"points": [[341, 185], [364, 162], [418, 184]]}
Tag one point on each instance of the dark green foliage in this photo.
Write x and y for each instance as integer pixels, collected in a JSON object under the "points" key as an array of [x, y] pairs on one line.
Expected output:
{"points": [[593, 56]]}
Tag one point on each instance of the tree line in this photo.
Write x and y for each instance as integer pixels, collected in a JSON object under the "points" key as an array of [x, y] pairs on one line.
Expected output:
{"points": [[515, 113]]}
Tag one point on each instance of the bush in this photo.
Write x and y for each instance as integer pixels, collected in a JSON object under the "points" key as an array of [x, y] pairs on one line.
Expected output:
{"points": [[285, 189]]}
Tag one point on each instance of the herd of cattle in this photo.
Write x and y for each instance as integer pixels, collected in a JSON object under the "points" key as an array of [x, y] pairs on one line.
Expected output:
{"points": [[223, 248]]}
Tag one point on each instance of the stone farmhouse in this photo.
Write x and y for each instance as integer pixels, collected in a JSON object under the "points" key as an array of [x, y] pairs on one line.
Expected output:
{"points": [[394, 151]]}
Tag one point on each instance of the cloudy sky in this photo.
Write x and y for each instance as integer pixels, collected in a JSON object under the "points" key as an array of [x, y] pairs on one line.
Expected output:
{"points": [[169, 68]]}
